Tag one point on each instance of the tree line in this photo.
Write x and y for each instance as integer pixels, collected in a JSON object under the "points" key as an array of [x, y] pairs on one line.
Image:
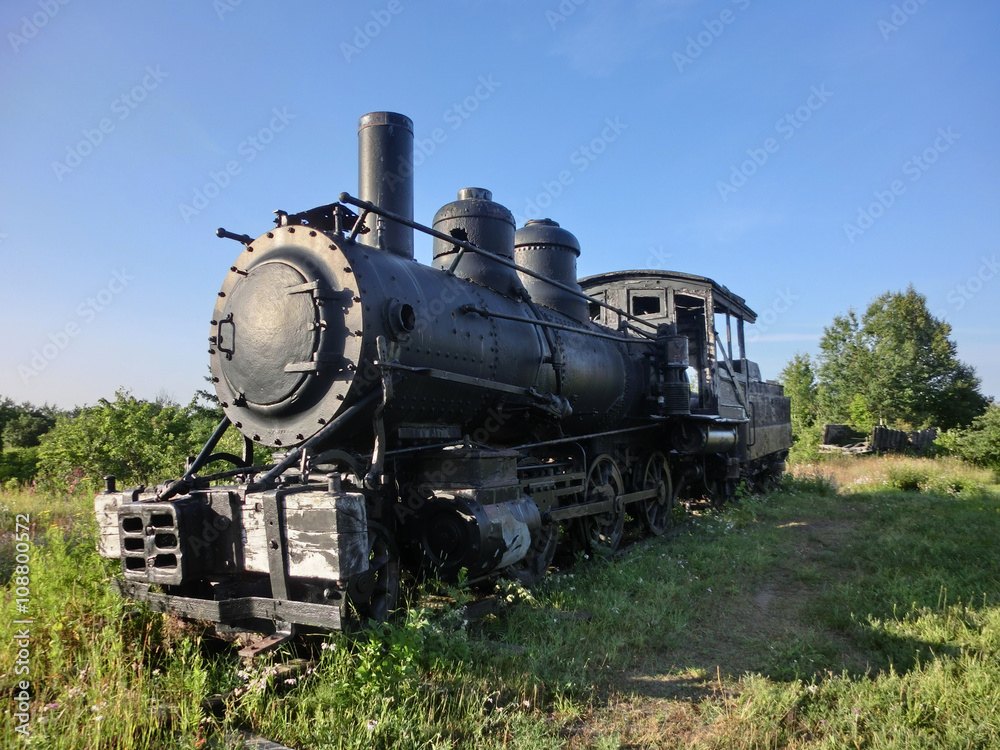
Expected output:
{"points": [[139, 441], [895, 365]]}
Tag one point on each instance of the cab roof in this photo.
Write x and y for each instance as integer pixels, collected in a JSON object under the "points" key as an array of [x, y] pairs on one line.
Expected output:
{"points": [[722, 297]]}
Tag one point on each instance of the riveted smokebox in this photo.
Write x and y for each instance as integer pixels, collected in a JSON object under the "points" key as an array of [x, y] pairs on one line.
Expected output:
{"points": [[385, 178]]}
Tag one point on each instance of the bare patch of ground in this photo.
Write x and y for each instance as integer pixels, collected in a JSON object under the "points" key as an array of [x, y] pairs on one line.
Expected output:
{"points": [[750, 630], [754, 630]]}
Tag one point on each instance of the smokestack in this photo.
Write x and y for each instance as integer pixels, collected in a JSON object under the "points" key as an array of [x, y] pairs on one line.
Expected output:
{"points": [[385, 178]]}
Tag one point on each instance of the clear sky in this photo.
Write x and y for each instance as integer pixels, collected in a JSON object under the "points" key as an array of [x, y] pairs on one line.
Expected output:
{"points": [[809, 156]]}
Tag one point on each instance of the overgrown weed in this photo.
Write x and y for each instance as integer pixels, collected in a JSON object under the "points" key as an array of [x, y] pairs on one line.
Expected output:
{"points": [[940, 476], [838, 611]]}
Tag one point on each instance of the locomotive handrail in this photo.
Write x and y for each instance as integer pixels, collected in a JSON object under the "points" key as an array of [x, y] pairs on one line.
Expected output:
{"points": [[557, 326], [554, 404], [371, 207], [243, 470], [578, 438]]}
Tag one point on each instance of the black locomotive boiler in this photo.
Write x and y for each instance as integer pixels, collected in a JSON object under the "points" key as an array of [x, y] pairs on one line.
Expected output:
{"points": [[449, 420]]}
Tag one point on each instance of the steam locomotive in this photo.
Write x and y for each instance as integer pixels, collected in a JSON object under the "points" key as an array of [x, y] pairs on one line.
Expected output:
{"points": [[459, 420]]}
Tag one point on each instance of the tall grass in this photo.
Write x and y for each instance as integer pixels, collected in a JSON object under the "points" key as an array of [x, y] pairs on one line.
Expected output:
{"points": [[947, 476], [855, 607], [102, 673]]}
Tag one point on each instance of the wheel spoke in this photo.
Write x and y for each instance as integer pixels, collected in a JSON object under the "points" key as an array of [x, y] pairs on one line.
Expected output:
{"points": [[657, 512], [602, 533]]}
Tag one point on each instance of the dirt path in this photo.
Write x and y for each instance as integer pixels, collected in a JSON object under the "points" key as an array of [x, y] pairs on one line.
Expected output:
{"points": [[658, 703]]}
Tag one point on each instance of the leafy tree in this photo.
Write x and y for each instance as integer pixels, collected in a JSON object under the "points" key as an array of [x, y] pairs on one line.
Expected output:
{"points": [[8, 411], [137, 441], [18, 465], [25, 430], [859, 415], [800, 386], [841, 357], [897, 365]]}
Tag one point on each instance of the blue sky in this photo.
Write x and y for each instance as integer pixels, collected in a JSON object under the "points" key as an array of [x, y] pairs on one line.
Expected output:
{"points": [[808, 156]]}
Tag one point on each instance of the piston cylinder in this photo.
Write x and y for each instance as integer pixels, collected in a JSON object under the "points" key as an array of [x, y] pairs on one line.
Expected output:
{"points": [[457, 532], [693, 439]]}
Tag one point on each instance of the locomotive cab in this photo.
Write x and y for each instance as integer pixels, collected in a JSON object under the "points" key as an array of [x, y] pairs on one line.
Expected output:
{"points": [[726, 389], [696, 308]]}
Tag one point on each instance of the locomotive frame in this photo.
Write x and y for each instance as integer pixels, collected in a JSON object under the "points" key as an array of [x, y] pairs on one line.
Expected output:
{"points": [[445, 420]]}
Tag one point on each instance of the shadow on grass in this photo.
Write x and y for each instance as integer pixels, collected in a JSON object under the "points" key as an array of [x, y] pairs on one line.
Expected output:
{"points": [[857, 587]]}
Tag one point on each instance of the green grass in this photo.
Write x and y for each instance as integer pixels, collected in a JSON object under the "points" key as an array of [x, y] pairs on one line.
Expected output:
{"points": [[867, 616]]}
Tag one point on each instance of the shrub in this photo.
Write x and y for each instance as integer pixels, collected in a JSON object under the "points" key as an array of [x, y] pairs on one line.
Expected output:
{"points": [[944, 477], [979, 443], [18, 466], [907, 477], [140, 442], [806, 445]]}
